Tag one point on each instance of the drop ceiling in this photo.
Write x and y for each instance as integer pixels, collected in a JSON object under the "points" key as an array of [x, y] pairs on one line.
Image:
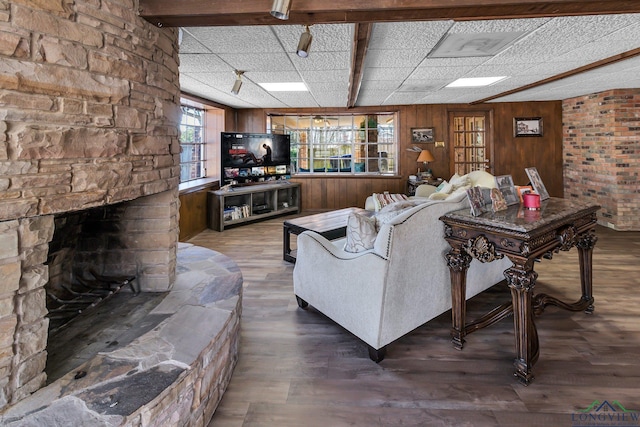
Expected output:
{"points": [[399, 67]]}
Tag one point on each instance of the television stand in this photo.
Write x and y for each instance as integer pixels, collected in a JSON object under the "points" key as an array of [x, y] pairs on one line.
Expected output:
{"points": [[242, 204]]}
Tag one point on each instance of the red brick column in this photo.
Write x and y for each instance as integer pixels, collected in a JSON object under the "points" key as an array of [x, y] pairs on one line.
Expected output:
{"points": [[601, 154]]}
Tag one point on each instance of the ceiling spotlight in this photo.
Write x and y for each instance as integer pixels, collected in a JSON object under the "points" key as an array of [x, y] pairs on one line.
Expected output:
{"points": [[305, 43], [280, 9], [238, 84]]}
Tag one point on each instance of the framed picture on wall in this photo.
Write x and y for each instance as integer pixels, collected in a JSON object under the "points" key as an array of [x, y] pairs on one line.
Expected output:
{"points": [[527, 126], [423, 135]]}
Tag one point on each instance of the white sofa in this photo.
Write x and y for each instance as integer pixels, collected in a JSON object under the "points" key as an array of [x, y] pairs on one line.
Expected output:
{"points": [[429, 192], [403, 282]]}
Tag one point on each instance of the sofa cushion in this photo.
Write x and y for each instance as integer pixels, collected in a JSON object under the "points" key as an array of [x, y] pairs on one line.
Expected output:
{"points": [[381, 200], [361, 233], [482, 179]]}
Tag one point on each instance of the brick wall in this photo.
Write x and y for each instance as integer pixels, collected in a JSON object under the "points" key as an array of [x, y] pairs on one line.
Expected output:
{"points": [[602, 154]]}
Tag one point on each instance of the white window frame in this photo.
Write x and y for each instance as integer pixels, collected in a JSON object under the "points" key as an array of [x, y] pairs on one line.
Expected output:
{"points": [[340, 144]]}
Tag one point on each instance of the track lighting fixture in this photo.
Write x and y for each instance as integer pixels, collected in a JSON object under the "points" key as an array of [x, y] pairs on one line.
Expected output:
{"points": [[280, 9], [305, 43], [238, 83]]}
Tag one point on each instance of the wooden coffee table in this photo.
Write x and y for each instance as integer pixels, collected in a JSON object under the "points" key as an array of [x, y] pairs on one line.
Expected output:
{"points": [[331, 225]]}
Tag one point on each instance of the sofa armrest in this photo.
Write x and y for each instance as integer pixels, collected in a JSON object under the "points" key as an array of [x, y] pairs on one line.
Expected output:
{"points": [[332, 249], [425, 190]]}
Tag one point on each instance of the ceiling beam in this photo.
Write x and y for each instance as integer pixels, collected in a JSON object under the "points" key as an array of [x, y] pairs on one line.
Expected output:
{"points": [[361, 37], [602, 63], [193, 13]]}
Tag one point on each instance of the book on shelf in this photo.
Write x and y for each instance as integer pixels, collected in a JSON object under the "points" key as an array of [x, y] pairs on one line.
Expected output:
{"points": [[236, 212]]}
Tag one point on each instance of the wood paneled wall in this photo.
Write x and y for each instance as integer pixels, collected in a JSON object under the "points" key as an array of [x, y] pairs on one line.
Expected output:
{"points": [[336, 192], [193, 211], [511, 155]]}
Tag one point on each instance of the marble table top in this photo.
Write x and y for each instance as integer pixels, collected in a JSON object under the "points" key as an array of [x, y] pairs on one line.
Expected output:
{"points": [[519, 219]]}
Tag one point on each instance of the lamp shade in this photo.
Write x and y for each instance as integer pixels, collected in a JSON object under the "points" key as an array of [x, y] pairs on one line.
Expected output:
{"points": [[425, 156]]}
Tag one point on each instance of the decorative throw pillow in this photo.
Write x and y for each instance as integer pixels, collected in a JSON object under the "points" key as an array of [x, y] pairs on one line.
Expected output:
{"points": [[441, 186], [361, 233], [380, 200], [391, 211], [446, 189]]}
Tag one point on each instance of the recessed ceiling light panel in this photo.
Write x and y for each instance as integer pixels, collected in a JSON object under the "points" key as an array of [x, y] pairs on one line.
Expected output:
{"points": [[285, 87], [476, 81]]}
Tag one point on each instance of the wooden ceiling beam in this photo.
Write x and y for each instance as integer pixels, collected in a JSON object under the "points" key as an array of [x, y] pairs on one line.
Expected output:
{"points": [[193, 13], [602, 63], [361, 37]]}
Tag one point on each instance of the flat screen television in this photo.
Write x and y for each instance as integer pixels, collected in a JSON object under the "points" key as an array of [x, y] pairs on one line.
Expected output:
{"points": [[254, 157]]}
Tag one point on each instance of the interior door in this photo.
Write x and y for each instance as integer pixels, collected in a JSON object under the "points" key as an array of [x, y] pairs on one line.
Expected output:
{"points": [[471, 141]]}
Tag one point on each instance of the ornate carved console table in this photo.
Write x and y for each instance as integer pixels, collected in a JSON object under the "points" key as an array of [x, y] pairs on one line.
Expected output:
{"points": [[523, 236]]}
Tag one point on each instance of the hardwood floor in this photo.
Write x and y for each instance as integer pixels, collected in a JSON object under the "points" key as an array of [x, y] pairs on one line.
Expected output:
{"points": [[298, 368]]}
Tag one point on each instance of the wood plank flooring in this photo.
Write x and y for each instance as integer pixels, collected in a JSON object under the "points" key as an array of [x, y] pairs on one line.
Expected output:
{"points": [[298, 368]]}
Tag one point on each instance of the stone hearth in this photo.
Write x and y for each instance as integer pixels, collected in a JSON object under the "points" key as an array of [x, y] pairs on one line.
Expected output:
{"points": [[174, 373]]}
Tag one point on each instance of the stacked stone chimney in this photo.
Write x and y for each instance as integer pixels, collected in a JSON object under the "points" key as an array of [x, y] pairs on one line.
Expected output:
{"points": [[89, 113]]}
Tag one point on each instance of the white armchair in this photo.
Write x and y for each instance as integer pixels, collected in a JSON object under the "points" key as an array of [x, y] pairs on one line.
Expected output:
{"points": [[384, 293]]}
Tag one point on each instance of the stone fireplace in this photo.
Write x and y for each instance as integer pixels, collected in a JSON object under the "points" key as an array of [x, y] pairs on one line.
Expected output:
{"points": [[89, 114], [136, 238], [88, 119]]}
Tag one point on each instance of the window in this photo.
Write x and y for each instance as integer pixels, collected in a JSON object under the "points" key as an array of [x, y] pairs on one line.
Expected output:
{"points": [[340, 144], [192, 153]]}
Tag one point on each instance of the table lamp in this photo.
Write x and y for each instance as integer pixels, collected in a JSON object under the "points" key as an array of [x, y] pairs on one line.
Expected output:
{"points": [[426, 157]]}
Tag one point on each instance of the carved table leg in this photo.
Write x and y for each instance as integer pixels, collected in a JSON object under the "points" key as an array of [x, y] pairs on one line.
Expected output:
{"points": [[521, 281], [585, 243], [458, 263], [585, 246]]}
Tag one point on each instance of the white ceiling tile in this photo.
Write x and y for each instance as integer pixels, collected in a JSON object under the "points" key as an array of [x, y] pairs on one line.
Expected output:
{"points": [[498, 25], [393, 74], [331, 98], [319, 87], [396, 70], [202, 63], [405, 98], [389, 58], [389, 85], [190, 44], [246, 39], [322, 61], [429, 73], [274, 76], [311, 76], [258, 61], [407, 35]]}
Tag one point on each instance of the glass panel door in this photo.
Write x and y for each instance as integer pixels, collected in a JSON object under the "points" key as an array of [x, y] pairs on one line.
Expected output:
{"points": [[469, 133]]}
